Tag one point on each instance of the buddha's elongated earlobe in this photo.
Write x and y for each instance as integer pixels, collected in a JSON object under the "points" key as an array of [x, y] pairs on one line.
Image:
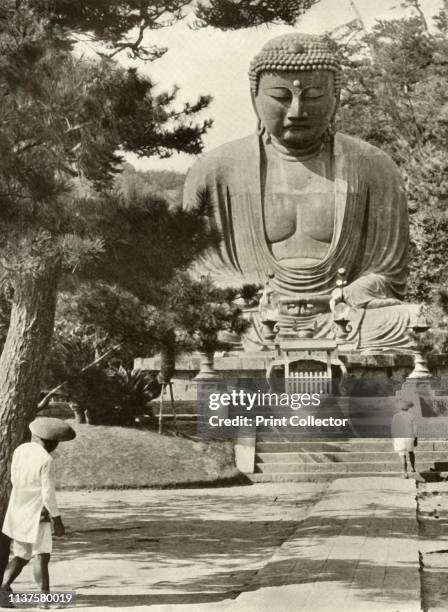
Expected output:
{"points": [[331, 130], [261, 128]]}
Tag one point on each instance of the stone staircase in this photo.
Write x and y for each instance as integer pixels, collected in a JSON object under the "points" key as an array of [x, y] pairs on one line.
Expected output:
{"points": [[279, 459]]}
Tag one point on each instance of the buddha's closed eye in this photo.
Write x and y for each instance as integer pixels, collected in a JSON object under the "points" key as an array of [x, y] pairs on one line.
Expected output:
{"points": [[313, 92], [279, 93], [284, 94]]}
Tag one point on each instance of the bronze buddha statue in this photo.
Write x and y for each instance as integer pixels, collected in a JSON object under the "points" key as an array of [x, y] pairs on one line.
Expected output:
{"points": [[297, 202]]}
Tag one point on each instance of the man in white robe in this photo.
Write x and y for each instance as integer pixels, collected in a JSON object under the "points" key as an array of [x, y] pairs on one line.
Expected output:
{"points": [[32, 506], [404, 434]]}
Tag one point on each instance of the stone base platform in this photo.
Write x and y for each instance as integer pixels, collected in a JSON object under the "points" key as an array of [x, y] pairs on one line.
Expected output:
{"points": [[395, 367], [273, 459]]}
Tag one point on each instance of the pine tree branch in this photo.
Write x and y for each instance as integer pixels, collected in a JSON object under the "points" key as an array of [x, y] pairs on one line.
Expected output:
{"points": [[149, 20]]}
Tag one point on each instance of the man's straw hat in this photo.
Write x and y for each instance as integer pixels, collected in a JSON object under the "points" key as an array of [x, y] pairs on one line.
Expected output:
{"points": [[48, 428]]}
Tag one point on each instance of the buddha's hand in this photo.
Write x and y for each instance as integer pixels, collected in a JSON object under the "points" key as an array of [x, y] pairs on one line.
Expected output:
{"points": [[305, 305]]}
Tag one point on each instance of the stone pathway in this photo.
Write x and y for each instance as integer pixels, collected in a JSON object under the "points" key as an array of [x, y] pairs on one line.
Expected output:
{"points": [[433, 545], [144, 548], [356, 551], [276, 547]]}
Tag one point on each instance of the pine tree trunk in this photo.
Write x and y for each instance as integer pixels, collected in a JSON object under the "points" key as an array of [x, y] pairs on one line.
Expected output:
{"points": [[167, 359], [21, 364]]}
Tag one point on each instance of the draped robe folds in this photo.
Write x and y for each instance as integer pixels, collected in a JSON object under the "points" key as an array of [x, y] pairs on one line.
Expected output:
{"points": [[370, 237]]}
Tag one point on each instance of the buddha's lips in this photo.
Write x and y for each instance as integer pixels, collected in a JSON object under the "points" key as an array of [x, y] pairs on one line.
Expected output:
{"points": [[297, 126]]}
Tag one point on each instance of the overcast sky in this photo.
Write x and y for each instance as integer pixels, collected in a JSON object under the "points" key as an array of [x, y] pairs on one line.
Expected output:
{"points": [[212, 62]]}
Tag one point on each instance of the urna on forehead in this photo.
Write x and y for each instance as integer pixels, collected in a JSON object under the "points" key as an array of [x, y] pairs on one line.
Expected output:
{"points": [[295, 52]]}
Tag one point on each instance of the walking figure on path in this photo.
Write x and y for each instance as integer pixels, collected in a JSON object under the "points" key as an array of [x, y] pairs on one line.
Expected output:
{"points": [[404, 433], [32, 506]]}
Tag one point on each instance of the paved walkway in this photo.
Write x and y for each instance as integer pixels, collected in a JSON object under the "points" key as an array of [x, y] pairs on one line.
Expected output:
{"points": [[433, 545], [352, 546], [356, 551]]}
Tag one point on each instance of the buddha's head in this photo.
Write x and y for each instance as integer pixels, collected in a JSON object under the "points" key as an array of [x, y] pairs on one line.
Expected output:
{"points": [[295, 84]]}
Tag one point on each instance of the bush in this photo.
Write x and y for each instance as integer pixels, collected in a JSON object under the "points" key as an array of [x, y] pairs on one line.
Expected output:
{"points": [[114, 396]]}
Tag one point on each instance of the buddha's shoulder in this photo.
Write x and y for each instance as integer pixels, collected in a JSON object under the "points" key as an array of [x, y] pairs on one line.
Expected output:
{"points": [[229, 154], [374, 159]]}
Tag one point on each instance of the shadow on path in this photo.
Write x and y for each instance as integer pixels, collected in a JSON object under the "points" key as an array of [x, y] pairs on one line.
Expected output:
{"points": [[124, 601]]}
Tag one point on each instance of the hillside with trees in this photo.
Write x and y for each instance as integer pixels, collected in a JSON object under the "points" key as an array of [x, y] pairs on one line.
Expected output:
{"points": [[165, 184], [395, 97]]}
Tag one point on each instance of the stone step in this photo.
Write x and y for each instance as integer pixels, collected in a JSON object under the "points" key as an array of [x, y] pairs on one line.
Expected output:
{"points": [[311, 438], [341, 457], [346, 467], [315, 477], [360, 445]]}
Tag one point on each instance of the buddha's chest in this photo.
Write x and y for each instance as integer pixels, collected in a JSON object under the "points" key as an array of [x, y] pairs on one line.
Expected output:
{"points": [[305, 215], [299, 203]]}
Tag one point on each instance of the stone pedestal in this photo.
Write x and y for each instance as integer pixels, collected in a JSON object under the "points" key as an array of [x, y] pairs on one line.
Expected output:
{"points": [[394, 366], [388, 371]]}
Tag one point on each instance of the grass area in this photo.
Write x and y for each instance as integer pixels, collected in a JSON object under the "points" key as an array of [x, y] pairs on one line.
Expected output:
{"points": [[119, 457]]}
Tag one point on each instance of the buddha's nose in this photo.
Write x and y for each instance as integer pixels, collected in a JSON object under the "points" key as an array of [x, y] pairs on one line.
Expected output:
{"points": [[295, 110]]}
